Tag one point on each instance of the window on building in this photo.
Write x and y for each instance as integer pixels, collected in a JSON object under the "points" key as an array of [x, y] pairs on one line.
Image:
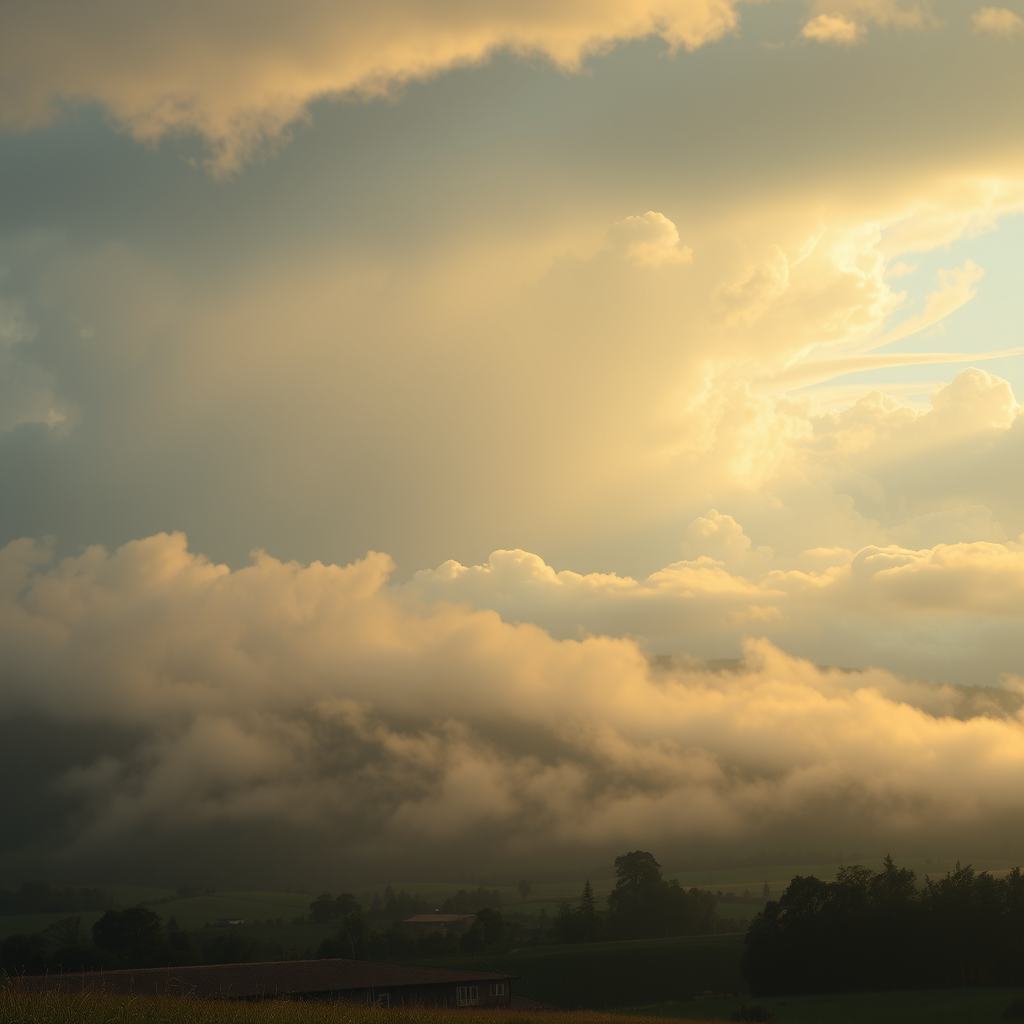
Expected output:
{"points": [[496, 988], [468, 995], [384, 999]]}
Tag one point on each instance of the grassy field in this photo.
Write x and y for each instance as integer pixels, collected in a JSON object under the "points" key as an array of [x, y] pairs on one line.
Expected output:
{"points": [[983, 1006], [197, 911], [615, 974], [959, 1006], [57, 1008]]}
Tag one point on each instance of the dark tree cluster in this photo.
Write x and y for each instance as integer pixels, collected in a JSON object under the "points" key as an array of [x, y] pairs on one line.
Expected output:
{"points": [[42, 898], [402, 905], [581, 923], [358, 939], [332, 908], [643, 905], [871, 930], [135, 937]]}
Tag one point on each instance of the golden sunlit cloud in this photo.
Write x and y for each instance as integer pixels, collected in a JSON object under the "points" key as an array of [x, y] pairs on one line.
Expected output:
{"points": [[997, 21], [651, 240], [239, 74], [239, 684], [666, 374], [832, 28]]}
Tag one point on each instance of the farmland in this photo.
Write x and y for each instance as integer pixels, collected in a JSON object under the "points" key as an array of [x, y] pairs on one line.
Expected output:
{"points": [[614, 974]]}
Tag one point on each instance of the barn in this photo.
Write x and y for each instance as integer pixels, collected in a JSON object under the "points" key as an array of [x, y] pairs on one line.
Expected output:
{"points": [[364, 981]]}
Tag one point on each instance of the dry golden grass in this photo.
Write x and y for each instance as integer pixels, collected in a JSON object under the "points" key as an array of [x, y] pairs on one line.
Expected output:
{"points": [[101, 1008]]}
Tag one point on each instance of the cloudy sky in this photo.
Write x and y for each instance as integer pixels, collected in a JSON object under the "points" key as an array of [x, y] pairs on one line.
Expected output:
{"points": [[384, 387]]}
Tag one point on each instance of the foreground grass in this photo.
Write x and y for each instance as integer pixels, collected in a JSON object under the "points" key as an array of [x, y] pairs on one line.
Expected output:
{"points": [[101, 1008]]}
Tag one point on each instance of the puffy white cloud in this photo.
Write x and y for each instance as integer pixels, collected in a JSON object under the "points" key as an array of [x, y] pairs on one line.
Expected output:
{"points": [[870, 511], [650, 241], [866, 607], [845, 21], [997, 21], [299, 695], [831, 28], [720, 537]]}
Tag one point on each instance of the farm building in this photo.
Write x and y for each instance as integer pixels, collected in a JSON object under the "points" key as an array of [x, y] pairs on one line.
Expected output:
{"points": [[363, 981]]}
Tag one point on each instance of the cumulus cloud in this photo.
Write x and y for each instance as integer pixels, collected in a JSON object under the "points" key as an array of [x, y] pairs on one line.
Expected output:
{"points": [[720, 537], [844, 21], [997, 21], [239, 74], [831, 28], [650, 241], [864, 497], [319, 697]]}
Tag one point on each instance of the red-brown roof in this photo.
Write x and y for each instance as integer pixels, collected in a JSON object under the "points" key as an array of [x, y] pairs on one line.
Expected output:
{"points": [[248, 981]]}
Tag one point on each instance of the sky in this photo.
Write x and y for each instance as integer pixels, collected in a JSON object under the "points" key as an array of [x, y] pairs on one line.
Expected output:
{"points": [[537, 429]]}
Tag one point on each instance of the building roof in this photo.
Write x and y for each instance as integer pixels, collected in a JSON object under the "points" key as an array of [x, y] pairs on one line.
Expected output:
{"points": [[438, 918], [248, 981]]}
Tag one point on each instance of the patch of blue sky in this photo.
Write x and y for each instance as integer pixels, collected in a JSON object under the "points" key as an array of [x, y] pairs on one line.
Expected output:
{"points": [[993, 320]]}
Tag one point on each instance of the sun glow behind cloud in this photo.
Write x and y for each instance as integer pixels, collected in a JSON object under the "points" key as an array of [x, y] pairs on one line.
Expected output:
{"points": [[573, 311]]}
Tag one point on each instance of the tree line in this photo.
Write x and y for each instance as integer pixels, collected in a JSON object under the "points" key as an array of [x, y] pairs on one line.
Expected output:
{"points": [[358, 939], [120, 939], [642, 905], [402, 905], [868, 930]]}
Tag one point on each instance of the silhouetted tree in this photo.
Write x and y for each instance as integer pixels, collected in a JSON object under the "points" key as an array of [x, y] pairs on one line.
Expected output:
{"points": [[581, 923], [487, 932], [329, 908], [524, 889], [136, 935], [644, 905], [322, 908], [23, 954], [879, 930]]}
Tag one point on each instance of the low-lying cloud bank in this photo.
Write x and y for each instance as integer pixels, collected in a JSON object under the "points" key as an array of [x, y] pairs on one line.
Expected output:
{"points": [[953, 611], [318, 700]]}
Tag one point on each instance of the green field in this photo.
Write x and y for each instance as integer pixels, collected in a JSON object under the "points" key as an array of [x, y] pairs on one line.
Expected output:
{"points": [[198, 911], [615, 974]]}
